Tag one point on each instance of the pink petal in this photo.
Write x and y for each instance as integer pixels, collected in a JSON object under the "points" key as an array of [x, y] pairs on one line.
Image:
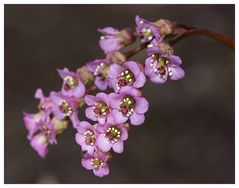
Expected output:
{"points": [[90, 100], [177, 73], [140, 80], [103, 143], [118, 147], [142, 105], [89, 112], [137, 119], [87, 164]]}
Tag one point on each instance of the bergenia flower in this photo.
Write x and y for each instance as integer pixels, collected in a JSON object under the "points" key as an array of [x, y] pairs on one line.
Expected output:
{"points": [[31, 122], [113, 39], [128, 104], [86, 136], [99, 107], [112, 136], [96, 162], [45, 102], [147, 30], [41, 132], [63, 106], [161, 65], [128, 74], [72, 84], [99, 68], [39, 144]]}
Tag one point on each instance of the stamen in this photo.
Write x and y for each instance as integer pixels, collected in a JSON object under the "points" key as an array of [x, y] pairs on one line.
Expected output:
{"points": [[70, 82], [90, 137], [101, 109], [113, 134], [127, 105], [96, 162], [65, 108]]}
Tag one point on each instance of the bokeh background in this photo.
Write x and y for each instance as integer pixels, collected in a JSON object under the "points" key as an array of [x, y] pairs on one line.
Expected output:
{"points": [[188, 135]]}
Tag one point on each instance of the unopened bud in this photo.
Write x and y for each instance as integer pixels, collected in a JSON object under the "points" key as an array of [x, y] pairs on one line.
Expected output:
{"points": [[60, 125], [85, 75], [165, 27], [165, 47], [116, 57], [127, 36]]}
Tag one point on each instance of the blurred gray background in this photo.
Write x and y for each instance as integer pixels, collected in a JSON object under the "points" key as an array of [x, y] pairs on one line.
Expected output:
{"points": [[188, 135]]}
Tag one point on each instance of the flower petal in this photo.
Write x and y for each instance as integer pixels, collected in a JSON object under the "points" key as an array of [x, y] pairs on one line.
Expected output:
{"points": [[90, 100], [133, 67], [148, 70], [140, 80], [137, 119], [109, 31], [102, 97], [114, 70], [128, 90], [101, 84], [175, 60], [177, 73], [110, 44], [89, 112], [118, 116], [114, 100], [103, 143], [142, 105], [124, 134], [118, 147], [80, 139], [86, 163], [158, 80]]}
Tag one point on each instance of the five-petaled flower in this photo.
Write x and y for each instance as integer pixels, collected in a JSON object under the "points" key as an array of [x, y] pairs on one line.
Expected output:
{"points": [[96, 162], [99, 68], [112, 136], [72, 85], [147, 30], [128, 104], [99, 107], [130, 74], [63, 106], [112, 39], [86, 136], [41, 132], [160, 65]]}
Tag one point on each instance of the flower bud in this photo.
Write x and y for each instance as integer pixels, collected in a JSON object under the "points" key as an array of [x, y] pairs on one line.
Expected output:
{"points": [[85, 75], [165, 27], [116, 57], [60, 125], [127, 36]]}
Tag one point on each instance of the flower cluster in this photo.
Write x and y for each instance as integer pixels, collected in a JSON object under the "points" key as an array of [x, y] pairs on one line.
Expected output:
{"points": [[109, 114]]}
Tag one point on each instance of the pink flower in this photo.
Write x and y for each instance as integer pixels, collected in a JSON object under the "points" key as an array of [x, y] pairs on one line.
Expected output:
{"points": [[99, 107], [96, 162], [72, 84], [112, 136], [128, 104], [128, 74]]}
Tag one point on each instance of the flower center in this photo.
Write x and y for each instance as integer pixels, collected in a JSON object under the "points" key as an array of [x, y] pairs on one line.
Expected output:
{"points": [[46, 130], [70, 82], [147, 33], [159, 64], [96, 162], [65, 108], [113, 134], [90, 137], [101, 109], [127, 105], [125, 78]]}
